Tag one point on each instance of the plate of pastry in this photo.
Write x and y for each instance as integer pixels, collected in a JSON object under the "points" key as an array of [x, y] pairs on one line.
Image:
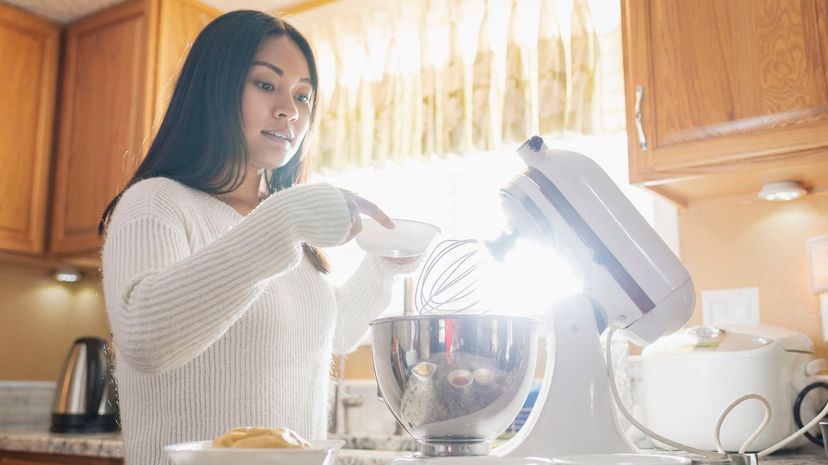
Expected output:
{"points": [[255, 446]]}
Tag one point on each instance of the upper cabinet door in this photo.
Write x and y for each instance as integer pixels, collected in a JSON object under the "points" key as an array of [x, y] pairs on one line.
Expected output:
{"points": [[180, 22], [121, 66], [724, 85], [29, 56], [104, 120]]}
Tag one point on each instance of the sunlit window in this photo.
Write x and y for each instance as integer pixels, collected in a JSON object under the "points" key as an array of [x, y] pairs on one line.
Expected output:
{"points": [[461, 196]]}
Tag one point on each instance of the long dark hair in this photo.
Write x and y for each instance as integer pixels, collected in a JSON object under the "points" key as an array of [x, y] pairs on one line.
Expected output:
{"points": [[200, 142]]}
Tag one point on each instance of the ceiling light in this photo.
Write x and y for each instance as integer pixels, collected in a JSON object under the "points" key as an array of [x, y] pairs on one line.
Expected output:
{"points": [[779, 191], [67, 275]]}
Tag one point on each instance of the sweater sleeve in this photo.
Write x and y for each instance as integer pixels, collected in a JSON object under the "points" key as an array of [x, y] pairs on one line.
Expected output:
{"points": [[363, 297], [167, 304]]}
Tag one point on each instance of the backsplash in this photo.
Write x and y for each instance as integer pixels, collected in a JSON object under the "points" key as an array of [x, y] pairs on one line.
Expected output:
{"points": [[763, 245], [40, 318], [26, 404], [372, 416]]}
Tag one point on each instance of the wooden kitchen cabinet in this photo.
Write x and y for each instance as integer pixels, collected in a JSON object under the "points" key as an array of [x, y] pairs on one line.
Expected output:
{"points": [[28, 83], [120, 67], [724, 95]]}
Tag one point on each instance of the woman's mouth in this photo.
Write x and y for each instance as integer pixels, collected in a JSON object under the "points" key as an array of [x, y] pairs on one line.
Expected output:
{"points": [[278, 136]]}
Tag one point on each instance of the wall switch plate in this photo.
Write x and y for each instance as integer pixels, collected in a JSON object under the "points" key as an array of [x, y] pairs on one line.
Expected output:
{"points": [[721, 307], [823, 311], [818, 264]]}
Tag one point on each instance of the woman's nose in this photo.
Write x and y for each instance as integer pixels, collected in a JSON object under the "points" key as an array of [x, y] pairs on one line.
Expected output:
{"points": [[286, 108]]}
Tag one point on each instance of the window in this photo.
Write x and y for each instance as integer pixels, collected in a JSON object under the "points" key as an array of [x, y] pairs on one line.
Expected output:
{"points": [[461, 196]]}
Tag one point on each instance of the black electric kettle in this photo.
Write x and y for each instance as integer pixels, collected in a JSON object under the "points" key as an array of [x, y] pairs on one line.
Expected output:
{"points": [[85, 398]]}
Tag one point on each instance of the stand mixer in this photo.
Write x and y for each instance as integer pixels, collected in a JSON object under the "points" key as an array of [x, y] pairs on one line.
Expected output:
{"points": [[454, 382]]}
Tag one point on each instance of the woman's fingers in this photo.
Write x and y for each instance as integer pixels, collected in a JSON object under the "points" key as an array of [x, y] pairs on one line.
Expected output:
{"points": [[353, 210], [356, 226], [366, 207], [356, 221], [359, 205]]}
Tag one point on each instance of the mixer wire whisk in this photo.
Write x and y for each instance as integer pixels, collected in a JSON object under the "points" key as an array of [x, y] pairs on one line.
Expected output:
{"points": [[454, 288]]}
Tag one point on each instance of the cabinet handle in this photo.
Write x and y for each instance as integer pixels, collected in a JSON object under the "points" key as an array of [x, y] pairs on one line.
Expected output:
{"points": [[642, 138]]}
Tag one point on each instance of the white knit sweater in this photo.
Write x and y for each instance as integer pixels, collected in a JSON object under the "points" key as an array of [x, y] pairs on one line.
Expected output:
{"points": [[218, 319]]}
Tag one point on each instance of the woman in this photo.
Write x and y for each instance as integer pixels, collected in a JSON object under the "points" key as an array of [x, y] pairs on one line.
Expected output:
{"points": [[220, 313]]}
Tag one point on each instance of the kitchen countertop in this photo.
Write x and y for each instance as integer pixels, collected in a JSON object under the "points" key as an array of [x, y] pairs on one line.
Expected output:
{"points": [[40, 440], [110, 445]]}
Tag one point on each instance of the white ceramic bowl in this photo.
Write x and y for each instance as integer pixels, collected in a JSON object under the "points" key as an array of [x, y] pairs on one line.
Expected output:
{"points": [[202, 453], [409, 238]]}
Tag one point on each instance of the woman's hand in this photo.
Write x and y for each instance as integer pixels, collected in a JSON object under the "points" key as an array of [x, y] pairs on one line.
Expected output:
{"points": [[358, 205]]}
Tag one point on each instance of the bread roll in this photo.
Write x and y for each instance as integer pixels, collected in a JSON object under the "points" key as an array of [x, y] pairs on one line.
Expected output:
{"points": [[260, 437]]}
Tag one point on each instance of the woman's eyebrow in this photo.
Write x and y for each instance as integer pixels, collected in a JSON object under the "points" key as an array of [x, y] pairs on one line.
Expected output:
{"points": [[278, 70]]}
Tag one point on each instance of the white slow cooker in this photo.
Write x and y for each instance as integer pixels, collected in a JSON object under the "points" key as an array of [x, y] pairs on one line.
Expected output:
{"points": [[689, 378]]}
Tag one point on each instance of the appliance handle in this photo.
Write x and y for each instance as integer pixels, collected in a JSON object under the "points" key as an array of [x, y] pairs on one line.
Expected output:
{"points": [[798, 407], [95, 378]]}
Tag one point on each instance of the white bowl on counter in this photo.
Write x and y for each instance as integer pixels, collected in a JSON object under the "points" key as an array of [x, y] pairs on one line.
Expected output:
{"points": [[203, 453]]}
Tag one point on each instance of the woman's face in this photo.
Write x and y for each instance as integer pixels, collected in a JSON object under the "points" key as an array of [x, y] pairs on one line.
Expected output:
{"points": [[276, 103]]}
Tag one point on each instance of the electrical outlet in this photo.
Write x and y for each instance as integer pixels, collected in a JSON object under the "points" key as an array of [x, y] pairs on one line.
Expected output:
{"points": [[721, 307]]}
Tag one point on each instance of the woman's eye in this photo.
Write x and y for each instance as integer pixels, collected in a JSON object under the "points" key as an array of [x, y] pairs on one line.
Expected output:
{"points": [[264, 85], [303, 98]]}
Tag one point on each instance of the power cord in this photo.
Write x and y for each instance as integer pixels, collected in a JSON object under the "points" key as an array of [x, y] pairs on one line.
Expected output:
{"points": [[636, 423], [820, 441], [795, 435], [717, 432], [721, 455]]}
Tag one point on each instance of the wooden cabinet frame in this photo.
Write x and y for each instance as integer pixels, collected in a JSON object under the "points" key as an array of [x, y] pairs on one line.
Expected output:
{"points": [[735, 156], [26, 233]]}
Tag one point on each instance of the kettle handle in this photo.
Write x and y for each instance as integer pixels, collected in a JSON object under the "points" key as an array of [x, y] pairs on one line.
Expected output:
{"points": [[798, 406], [95, 374]]}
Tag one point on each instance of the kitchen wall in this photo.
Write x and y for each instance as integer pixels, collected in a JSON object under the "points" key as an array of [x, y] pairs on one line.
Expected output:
{"points": [[758, 244], [40, 317]]}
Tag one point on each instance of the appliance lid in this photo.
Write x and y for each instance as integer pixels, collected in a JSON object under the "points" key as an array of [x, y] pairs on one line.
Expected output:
{"points": [[730, 339]]}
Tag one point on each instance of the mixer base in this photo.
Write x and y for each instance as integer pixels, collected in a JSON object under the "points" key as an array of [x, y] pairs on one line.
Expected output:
{"points": [[478, 460], [621, 459], [584, 459]]}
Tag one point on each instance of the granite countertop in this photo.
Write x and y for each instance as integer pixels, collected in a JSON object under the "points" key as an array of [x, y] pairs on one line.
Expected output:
{"points": [[806, 455], [357, 449], [109, 445], [40, 440]]}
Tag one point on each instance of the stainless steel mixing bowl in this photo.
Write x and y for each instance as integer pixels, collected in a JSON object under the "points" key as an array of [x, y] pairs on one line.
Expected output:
{"points": [[454, 382]]}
